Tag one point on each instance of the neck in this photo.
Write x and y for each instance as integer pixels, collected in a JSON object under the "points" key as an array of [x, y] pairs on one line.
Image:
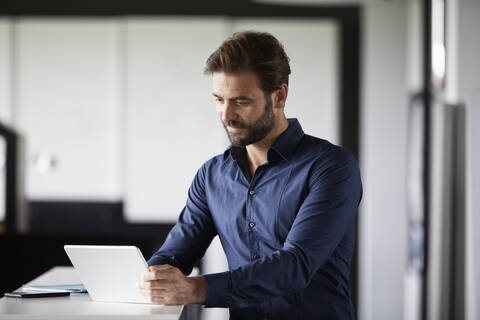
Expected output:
{"points": [[257, 152]]}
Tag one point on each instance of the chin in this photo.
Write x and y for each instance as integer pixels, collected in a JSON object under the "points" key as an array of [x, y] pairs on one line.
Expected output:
{"points": [[235, 140], [237, 143]]}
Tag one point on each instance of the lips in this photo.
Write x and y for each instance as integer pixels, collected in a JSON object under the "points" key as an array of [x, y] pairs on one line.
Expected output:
{"points": [[234, 129]]}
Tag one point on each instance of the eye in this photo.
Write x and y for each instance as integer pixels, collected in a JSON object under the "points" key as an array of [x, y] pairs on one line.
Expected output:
{"points": [[242, 102]]}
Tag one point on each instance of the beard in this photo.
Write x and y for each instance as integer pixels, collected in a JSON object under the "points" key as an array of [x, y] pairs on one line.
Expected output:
{"points": [[256, 131]]}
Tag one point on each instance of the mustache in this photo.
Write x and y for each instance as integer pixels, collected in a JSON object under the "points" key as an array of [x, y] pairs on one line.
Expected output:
{"points": [[234, 124]]}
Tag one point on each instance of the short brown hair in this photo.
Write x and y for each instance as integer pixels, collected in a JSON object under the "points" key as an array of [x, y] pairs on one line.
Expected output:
{"points": [[259, 52]]}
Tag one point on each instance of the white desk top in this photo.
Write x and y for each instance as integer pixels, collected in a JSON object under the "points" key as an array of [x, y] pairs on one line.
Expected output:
{"points": [[78, 306]]}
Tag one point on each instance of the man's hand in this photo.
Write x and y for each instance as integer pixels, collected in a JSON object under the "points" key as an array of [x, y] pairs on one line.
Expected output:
{"points": [[167, 285]]}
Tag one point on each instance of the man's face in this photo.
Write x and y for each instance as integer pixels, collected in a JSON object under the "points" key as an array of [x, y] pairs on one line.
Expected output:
{"points": [[246, 113]]}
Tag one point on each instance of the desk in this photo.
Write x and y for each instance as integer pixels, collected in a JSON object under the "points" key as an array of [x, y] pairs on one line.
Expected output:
{"points": [[79, 306]]}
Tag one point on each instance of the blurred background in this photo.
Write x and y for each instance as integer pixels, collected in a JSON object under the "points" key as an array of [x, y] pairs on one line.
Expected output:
{"points": [[105, 116]]}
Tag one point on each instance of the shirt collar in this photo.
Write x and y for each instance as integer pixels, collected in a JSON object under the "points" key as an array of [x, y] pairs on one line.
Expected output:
{"points": [[284, 146]]}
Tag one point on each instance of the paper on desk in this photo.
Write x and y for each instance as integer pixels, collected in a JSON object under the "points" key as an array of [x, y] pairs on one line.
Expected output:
{"points": [[73, 288]]}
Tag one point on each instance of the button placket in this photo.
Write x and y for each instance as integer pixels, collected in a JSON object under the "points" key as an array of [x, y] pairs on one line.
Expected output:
{"points": [[251, 193]]}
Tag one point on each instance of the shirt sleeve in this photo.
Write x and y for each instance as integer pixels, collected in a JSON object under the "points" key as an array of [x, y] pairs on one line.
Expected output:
{"points": [[188, 240], [323, 219]]}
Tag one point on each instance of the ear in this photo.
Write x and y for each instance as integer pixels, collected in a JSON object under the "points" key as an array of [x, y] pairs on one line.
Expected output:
{"points": [[280, 96]]}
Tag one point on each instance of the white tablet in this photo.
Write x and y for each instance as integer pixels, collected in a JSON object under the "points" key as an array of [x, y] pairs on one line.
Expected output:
{"points": [[109, 273]]}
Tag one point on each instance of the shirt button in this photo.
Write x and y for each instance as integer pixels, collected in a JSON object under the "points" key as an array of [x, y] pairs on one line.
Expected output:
{"points": [[252, 192], [256, 256], [251, 224]]}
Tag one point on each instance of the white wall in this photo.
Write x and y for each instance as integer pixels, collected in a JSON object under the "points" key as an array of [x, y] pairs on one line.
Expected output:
{"points": [[383, 147], [170, 120], [67, 106]]}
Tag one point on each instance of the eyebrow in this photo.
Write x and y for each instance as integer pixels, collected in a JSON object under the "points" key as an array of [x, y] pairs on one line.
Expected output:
{"points": [[235, 98]]}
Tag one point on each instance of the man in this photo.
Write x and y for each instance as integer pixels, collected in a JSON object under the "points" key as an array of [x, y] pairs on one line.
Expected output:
{"points": [[282, 202]]}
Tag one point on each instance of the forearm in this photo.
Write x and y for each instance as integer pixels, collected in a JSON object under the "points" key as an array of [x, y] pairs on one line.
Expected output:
{"points": [[185, 244], [260, 280]]}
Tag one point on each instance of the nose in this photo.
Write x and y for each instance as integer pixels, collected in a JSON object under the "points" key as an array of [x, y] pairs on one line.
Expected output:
{"points": [[228, 112]]}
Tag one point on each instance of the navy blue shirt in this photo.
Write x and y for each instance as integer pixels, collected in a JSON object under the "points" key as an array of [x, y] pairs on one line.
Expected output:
{"points": [[287, 232]]}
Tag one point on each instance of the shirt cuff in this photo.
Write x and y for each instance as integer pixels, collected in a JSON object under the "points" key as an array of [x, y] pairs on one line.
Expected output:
{"points": [[156, 260], [219, 289]]}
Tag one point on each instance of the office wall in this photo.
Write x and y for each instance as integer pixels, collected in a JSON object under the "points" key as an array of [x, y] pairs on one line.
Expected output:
{"points": [[171, 127], [67, 105], [383, 233]]}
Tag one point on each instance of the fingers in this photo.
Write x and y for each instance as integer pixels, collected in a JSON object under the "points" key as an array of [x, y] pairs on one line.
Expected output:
{"points": [[158, 274], [165, 297], [155, 297], [164, 284], [159, 300], [169, 300], [153, 292], [156, 284], [150, 276]]}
